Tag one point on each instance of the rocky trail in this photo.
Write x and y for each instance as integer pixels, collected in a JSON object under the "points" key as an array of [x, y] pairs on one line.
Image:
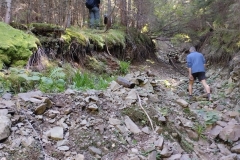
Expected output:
{"points": [[152, 121]]}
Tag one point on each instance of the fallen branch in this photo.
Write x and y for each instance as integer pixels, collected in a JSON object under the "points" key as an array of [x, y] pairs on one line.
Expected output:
{"points": [[140, 104]]}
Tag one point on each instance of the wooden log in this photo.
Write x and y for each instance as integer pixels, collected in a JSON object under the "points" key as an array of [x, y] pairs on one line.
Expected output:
{"points": [[125, 83]]}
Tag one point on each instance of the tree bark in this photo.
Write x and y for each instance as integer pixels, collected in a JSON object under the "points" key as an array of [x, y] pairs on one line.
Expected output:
{"points": [[8, 11]]}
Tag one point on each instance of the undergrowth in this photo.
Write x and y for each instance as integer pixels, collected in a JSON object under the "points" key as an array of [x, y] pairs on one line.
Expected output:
{"points": [[54, 80]]}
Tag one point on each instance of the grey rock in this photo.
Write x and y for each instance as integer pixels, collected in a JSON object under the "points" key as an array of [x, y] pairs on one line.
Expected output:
{"points": [[79, 157], [152, 156], [93, 107], [5, 126], [132, 95], [63, 148], [3, 112], [62, 143], [229, 157], [114, 122], [185, 157], [27, 96], [55, 133], [174, 157], [131, 125], [146, 130], [223, 149], [230, 133], [95, 150], [159, 142], [166, 152], [114, 86], [236, 149], [215, 131], [40, 109], [182, 103], [7, 96]]}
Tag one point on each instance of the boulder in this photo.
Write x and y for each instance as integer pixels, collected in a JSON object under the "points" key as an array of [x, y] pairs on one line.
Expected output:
{"points": [[5, 126]]}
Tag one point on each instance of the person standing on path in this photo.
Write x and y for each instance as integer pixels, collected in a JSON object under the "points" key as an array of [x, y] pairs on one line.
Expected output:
{"points": [[196, 69], [94, 15]]}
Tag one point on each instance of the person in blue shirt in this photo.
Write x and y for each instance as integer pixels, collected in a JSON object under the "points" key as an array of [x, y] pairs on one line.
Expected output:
{"points": [[94, 14], [196, 68]]}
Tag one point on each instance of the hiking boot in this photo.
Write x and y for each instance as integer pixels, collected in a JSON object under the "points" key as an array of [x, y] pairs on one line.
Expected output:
{"points": [[209, 97], [190, 98]]}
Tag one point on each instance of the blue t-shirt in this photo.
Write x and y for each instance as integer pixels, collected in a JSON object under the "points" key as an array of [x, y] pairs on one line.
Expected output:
{"points": [[196, 61]]}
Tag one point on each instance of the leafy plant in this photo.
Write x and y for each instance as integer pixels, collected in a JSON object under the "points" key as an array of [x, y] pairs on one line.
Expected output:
{"points": [[200, 128], [124, 67]]}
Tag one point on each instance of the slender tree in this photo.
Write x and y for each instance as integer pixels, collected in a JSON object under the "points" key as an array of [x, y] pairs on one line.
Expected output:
{"points": [[8, 11]]}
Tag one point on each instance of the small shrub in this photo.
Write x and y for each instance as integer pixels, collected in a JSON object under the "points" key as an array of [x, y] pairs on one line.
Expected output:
{"points": [[124, 67]]}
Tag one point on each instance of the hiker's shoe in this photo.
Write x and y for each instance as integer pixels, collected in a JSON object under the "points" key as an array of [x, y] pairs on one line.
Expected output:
{"points": [[190, 98], [209, 98]]}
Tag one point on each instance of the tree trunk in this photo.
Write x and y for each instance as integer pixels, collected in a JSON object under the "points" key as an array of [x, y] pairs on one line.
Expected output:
{"points": [[8, 11]]}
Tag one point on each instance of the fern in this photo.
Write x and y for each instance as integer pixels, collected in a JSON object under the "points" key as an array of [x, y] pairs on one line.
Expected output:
{"points": [[57, 73]]}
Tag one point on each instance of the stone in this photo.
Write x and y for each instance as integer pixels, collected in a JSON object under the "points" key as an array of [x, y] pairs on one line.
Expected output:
{"points": [[221, 123], [153, 98], [166, 152], [215, 131], [7, 96], [146, 130], [69, 92], [158, 130], [79, 157], [230, 133], [131, 125], [229, 157], [236, 149], [95, 150], [152, 156], [182, 103], [223, 149], [68, 111], [62, 143], [55, 133], [114, 122], [185, 157], [114, 86], [192, 135], [27, 96], [40, 109], [159, 142], [63, 148], [26, 142], [93, 107], [233, 114], [5, 126], [132, 95], [174, 157], [3, 112]]}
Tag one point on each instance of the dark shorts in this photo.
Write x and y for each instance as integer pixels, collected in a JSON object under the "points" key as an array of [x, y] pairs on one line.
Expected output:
{"points": [[200, 75]]}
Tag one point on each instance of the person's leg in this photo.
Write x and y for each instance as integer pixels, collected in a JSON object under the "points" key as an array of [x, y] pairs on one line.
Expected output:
{"points": [[91, 18], [190, 86], [206, 86], [202, 78], [96, 16]]}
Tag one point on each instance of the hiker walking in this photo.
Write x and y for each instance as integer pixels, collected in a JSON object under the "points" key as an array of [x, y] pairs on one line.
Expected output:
{"points": [[196, 68], [94, 16]]}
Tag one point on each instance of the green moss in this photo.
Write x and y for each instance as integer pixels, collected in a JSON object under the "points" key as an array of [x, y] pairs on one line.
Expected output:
{"points": [[44, 26], [93, 64], [99, 38], [15, 45], [72, 34]]}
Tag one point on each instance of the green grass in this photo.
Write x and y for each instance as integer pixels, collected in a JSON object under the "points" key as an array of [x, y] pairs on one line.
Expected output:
{"points": [[124, 67], [54, 80]]}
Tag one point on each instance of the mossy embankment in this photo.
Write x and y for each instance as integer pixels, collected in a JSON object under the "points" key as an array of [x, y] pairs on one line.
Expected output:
{"points": [[15, 46], [74, 45]]}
